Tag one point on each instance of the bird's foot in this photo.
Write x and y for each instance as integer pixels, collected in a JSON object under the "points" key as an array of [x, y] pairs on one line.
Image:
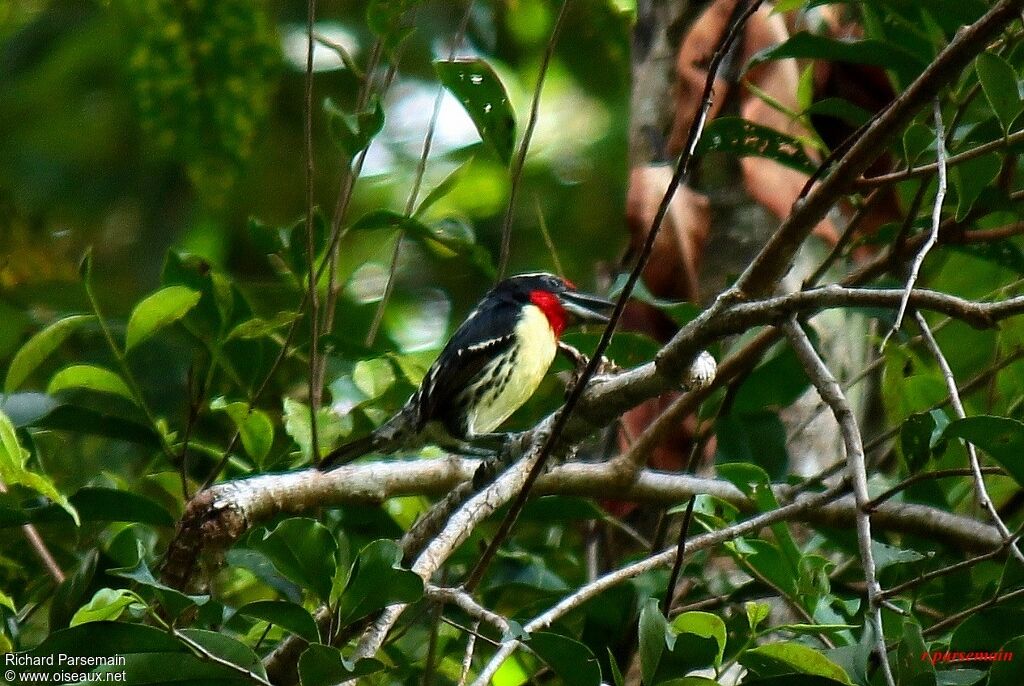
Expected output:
{"points": [[580, 361]]}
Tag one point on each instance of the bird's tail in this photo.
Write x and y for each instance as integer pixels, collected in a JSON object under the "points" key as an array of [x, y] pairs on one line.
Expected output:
{"points": [[344, 454], [388, 437]]}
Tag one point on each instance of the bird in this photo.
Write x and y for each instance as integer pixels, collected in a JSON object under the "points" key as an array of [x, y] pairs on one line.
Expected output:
{"points": [[490, 366]]}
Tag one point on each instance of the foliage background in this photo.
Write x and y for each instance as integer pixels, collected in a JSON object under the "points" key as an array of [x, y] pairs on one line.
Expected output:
{"points": [[164, 140]]}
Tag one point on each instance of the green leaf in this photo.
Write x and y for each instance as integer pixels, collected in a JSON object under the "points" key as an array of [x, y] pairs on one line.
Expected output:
{"points": [[353, 133], [787, 658], [746, 139], [915, 440], [261, 328], [999, 82], [322, 665], [174, 600], [481, 92], [378, 580], [71, 593], [254, 427], [285, 614], [616, 672], [917, 139], [758, 438], [705, 625], [841, 109], [653, 635], [1002, 438], [88, 422], [972, 177], [868, 51], [442, 189], [8, 602], [302, 550], [39, 347], [374, 377], [389, 19], [756, 613], [96, 504], [91, 378], [148, 652], [572, 661], [1006, 672], [107, 604], [158, 310], [886, 555], [330, 428], [14, 470]]}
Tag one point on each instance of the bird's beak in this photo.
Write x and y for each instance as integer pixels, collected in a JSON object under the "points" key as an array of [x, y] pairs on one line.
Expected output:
{"points": [[586, 308]]}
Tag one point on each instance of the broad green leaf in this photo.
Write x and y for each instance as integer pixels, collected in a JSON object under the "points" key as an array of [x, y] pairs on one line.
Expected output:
{"points": [[287, 615], [702, 624], [867, 51], [999, 82], [96, 504], [886, 555], [910, 667], [353, 133], [39, 347], [260, 328], [254, 427], [972, 177], [152, 656], [14, 469], [378, 580], [8, 602], [1006, 672], [653, 635], [481, 92], [1002, 438], [915, 440], [107, 604], [572, 661], [374, 377], [302, 550], [158, 310], [91, 378], [322, 665], [758, 437], [917, 139], [841, 109], [787, 658], [387, 219], [746, 139], [174, 600], [330, 428], [83, 420]]}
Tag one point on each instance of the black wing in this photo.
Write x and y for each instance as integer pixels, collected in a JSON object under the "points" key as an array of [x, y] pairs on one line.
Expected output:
{"points": [[487, 333]]}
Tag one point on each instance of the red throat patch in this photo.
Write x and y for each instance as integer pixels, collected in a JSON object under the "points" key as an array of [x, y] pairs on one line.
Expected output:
{"points": [[552, 309]]}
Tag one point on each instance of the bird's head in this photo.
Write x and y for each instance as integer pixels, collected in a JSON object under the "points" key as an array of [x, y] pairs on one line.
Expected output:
{"points": [[557, 298]]}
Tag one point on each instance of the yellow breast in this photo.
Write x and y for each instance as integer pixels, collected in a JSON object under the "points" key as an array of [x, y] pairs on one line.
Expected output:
{"points": [[517, 374]]}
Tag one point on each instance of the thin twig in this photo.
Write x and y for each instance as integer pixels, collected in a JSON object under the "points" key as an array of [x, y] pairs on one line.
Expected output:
{"points": [[915, 479], [467, 658], [933, 236], [314, 296], [831, 393], [39, 546], [520, 161], [981, 491]]}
